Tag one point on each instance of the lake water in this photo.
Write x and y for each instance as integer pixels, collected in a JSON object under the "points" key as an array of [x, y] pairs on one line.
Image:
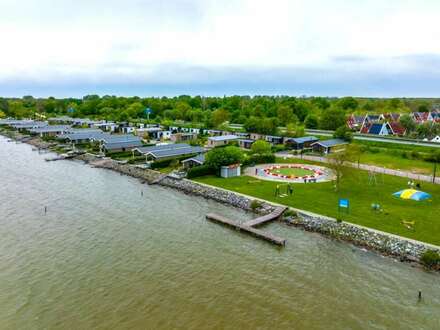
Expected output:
{"points": [[107, 257]]}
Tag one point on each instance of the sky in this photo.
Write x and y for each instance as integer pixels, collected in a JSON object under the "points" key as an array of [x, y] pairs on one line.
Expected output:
{"points": [[70, 48]]}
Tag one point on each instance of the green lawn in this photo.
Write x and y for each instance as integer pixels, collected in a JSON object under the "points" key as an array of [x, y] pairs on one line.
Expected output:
{"points": [[321, 198], [397, 156], [397, 163], [292, 171]]}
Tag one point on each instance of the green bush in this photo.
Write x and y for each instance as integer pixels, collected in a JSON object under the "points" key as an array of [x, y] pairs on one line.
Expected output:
{"points": [[255, 204], [279, 147], [259, 159], [290, 213], [415, 155], [167, 162], [198, 171], [160, 164], [430, 259]]}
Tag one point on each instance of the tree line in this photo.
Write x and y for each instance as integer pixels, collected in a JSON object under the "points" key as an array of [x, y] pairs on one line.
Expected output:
{"points": [[259, 114]]}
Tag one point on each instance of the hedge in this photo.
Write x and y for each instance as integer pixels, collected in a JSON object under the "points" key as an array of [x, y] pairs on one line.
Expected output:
{"points": [[166, 162], [259, 159], [201, 170]]}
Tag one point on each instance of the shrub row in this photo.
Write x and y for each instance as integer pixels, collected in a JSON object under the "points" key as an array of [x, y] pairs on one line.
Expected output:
{"points": [[431, 259], [166, 162], [198, 171], [259, 159]]}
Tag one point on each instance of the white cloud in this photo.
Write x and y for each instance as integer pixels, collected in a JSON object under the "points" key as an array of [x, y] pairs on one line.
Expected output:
{"points": [[45, 41]]}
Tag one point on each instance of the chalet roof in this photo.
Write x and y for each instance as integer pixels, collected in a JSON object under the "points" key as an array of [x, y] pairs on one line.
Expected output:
{"points": [[223, 137], [397, 128], [167, 153], [330, 143], [146, 150], [114, 138], [375, 128], [82, 136], [50, 129], [198, 159], [122, 144], [303, 139]]}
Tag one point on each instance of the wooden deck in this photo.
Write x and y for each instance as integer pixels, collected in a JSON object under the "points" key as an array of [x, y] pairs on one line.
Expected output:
{"points": [[266, 218], [248, 226]]}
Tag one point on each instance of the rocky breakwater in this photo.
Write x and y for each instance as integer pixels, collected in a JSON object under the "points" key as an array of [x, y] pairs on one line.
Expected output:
{"points": [[123, 168], [183, 185], [219, 195], [386, 244]]}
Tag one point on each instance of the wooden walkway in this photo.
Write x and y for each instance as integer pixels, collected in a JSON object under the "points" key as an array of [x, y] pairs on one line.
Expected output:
{"points": [[266, 218], [248, 226]]}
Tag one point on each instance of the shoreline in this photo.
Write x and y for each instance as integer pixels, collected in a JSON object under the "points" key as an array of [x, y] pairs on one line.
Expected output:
{"points": [[386, 244]]}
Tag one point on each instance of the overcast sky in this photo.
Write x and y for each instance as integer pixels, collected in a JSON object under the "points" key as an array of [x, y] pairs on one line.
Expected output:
{"points": [[211, 47]]}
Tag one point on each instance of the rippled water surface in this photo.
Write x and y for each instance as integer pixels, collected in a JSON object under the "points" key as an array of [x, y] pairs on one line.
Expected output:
{"points": [[107, 257]]}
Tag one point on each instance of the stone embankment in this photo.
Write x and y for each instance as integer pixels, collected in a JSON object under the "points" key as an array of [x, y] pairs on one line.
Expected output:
{"points": [[387, 244], [186, 186], [404, 249]]}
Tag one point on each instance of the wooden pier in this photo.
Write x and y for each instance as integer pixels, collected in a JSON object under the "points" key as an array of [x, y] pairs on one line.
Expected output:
{"points": [[248, 226], [266, 218]]}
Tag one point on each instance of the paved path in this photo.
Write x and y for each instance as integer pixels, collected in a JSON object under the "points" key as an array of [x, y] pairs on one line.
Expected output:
{"points": [[376, 169]]}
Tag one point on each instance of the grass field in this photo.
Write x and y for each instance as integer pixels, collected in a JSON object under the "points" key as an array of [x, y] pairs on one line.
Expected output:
{"points": [[321, 198], [397, 156], [391, 161]]}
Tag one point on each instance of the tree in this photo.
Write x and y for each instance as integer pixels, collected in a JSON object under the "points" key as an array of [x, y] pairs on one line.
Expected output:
{"points": [[408, 123], [219, 116], [344, 133], [295, 130], [337, 162], [219, 157], [285, 114], [348, 103], [331, 119], [321, 102], [424, 107], [311, 121], [261, 147], [2, 114], [135, 110]]}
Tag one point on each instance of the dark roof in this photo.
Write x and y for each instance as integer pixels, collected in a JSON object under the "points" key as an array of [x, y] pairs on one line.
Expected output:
{"points": [[50, 129], [303, 139], [82, 136], [114, 138], [375, 128], [397, 128], [246, 140], [146, 150], [198, 159], [122, 144], [167, 153], [331, 143], [359, 119]]}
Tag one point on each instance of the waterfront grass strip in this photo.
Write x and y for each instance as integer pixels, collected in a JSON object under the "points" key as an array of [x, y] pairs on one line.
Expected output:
{"points": [[321, 198]]}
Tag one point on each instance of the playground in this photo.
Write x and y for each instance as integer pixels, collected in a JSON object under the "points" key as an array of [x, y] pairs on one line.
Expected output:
{"points": [[376, 201], [291, 173]]}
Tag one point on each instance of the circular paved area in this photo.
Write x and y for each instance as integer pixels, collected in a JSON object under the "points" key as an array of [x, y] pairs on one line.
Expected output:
{"points": [[290, 173]]}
